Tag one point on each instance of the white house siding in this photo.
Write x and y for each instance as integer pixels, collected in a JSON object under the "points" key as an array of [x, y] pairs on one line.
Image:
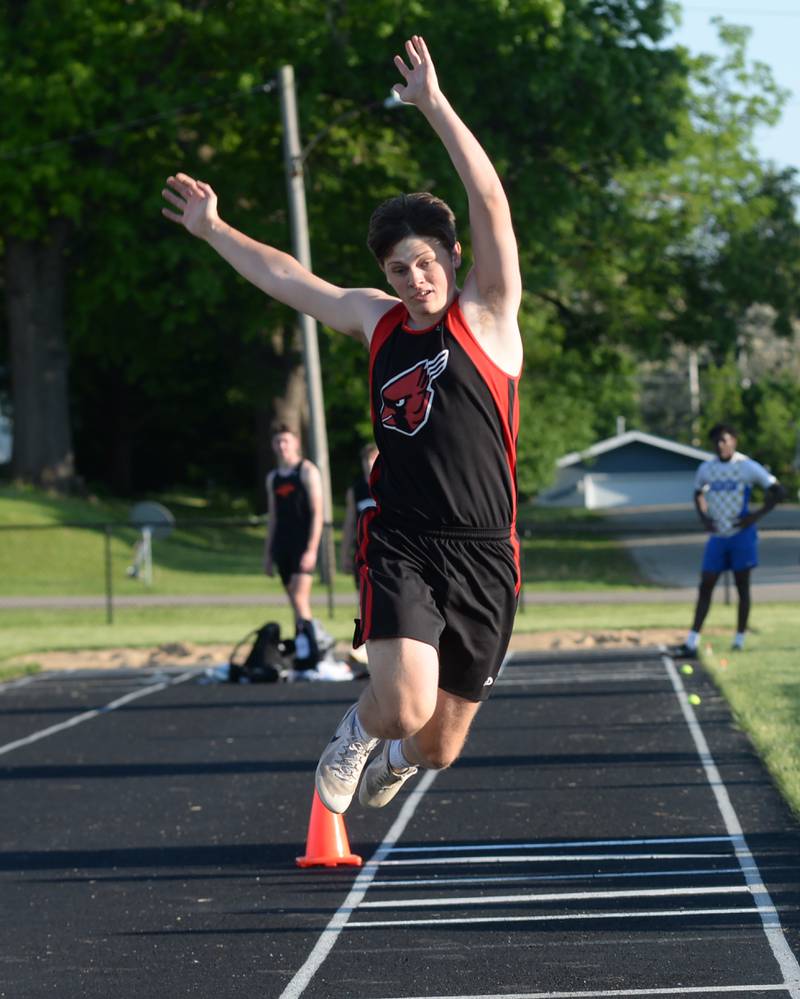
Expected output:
{"points": [[650, 489]]}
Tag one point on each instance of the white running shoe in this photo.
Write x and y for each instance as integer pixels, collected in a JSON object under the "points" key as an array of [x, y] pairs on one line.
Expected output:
{"points": [[381, 782], [341, 764]]}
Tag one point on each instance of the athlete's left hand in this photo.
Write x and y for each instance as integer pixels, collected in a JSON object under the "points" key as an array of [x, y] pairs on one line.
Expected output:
{"points": [[421, 83], [308, 560], [744, 522]]}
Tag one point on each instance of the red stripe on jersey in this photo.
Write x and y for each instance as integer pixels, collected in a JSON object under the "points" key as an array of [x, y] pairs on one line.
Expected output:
{"points": [[384, 328], [499, 383], [365, 584]]}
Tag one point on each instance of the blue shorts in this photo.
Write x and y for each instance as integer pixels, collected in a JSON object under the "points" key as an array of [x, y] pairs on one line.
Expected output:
{"points": [[736, 553]]}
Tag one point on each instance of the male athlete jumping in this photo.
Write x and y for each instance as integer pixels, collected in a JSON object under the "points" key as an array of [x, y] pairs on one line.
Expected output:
{"points": [[438, 558]]}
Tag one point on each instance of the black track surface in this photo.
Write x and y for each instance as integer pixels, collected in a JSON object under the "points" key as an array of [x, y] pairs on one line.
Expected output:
{"points": [[149, 851]]}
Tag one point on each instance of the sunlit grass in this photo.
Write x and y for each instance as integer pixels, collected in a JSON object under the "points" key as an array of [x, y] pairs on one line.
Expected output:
{"points": [[762, 687]]}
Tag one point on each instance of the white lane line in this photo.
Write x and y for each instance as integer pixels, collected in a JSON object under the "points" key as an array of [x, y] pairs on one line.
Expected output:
{"points": [[519, 679], [546, 917], [527, 878], [569, 844], [547, 858], [684, 990], [339, 920], [787, 961], [553, 896], [23, 681], [44, 733]]}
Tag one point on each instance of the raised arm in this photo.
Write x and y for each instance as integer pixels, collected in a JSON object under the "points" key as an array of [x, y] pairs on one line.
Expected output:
{"points": [[495, 274], [353, 311]]}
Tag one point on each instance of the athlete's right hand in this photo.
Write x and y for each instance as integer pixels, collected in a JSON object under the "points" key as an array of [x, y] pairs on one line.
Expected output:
{"points": [[708, 523], [196, 203]]}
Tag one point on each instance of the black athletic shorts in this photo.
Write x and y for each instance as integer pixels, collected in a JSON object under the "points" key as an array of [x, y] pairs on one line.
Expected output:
{"points": [[453, 589], [287, 560]]}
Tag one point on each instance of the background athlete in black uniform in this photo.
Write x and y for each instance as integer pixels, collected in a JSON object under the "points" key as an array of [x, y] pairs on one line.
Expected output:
{"points": [[294, 528], [404, 704]]}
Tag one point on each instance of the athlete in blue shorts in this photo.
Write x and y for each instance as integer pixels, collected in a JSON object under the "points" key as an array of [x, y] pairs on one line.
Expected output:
{"points": [[722, 496]]}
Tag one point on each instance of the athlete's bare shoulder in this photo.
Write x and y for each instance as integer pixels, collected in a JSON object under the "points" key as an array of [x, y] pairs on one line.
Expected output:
{"points": [[375, 308], [308, 471], [494, 325]]}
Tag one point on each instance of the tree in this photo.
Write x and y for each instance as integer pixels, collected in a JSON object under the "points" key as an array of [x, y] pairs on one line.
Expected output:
{"points": [[175, 361], [88, 89]]}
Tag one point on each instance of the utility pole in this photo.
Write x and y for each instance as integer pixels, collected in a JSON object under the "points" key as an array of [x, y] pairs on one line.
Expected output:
{"points": [[694, 396], [298, 219]]}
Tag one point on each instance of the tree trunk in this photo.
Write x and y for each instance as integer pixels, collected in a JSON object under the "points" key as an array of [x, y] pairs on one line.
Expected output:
{"points": [[282, 364], [39, 360]]}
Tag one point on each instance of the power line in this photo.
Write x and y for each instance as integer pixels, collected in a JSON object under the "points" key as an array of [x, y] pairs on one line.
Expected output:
{"points": [[136, 123], [748, 12]]}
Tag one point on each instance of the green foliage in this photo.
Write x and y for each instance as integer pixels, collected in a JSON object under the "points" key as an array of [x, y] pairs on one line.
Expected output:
{"points": [[642, 214], [723, 396], [765, 415]]}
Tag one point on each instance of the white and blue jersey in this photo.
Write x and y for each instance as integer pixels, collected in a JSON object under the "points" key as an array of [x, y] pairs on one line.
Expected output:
{"points": [[727, 486]]}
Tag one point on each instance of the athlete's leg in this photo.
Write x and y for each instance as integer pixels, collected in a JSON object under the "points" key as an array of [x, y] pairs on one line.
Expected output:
{"points": [[742, 580], [401, 696], [435, 746], [298, 590], [400, 700], [708, 580], [438, 744]]}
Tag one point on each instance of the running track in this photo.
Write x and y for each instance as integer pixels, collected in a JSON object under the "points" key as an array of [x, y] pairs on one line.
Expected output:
{"points": [[600, 837]]}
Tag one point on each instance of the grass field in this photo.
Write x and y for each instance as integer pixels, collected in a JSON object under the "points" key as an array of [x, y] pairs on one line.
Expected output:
{"points": [[762, 687], [40, 555]]}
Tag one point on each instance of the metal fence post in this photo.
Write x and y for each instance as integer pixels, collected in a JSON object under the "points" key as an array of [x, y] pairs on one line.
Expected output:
{"points": [[329, 547], [109, 574]]}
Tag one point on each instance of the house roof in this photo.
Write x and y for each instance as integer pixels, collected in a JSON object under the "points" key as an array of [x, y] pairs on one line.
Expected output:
{"points": [[633, 437]]}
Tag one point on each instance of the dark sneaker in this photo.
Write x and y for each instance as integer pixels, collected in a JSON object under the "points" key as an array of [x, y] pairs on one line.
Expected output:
{"points": [[381, 782], [683, 652], [341, 763]]}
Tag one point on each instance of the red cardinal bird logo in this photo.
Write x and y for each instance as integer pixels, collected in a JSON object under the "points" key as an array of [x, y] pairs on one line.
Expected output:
{"points": [[407, 398]]}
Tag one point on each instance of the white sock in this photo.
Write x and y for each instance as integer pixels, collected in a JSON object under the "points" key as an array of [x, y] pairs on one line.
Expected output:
{"points": [[397, 758], [738, 641], [692, 639]]}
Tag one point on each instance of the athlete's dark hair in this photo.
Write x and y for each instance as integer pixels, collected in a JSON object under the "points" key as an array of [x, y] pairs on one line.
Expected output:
{"points": [[420, 214], [721, 428], [283, 428]]}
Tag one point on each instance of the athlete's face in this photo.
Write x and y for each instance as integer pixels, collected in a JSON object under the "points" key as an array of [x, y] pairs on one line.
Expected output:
{"points": [[422, 273], [287, 448], [726, 446]]}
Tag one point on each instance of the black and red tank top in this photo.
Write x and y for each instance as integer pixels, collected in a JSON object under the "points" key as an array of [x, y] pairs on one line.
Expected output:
{"points": [[446, 420], [292, 508]]}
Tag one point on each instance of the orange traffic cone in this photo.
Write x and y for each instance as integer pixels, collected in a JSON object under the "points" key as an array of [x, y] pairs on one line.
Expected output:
{"points": [[326, 844]]}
